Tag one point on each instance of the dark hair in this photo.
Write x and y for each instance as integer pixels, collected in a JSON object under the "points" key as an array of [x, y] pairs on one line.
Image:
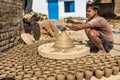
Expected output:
{"points": [[94, 7]]}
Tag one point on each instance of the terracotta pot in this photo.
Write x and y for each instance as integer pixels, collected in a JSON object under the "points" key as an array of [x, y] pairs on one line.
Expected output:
{"points": [[63, 41], [104, 60], [97, 61], [87, 63], [79, 74], [107, 71], [51, 68], [99, 73], [26, 78], [53, 73], [60, 76], [40, 78], [19, 77], [101, 64], [72, 67], [50, 77], [35, 78], [107, 63], [37, 73], [65, 69], [115, 68], [44, 75], [84, 59], [70, 76], [88, 55], [27, 75], [102, 57], [94, 56], [79, 67], [77, 59], [2, 75], [88, 74], [57, 70], [48, 63], [118, 61], [112, 58], [81, 62], [117, 57], [108, 56], [74, 61], [12, 74], [63, 62], [46, 71], [21, 73], [94, 66], [114, 61], [102, 67], [44, 67], [89, 59]]}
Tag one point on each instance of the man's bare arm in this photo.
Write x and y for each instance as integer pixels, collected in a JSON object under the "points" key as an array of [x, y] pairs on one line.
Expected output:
{"points": [[78, 26]]}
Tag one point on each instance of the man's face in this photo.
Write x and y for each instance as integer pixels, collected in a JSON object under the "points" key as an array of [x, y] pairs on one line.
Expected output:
{"points": [[91, 13]]}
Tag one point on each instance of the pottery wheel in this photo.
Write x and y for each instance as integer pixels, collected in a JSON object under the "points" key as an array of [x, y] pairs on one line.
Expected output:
{"points": [[47, 50]]}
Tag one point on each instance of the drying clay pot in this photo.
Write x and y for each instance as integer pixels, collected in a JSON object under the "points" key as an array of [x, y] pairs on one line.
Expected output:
{"points": [[60, 76], [99, 73], [79, 74], [107, 71], [88, 74], [70, 76], [63, 41], [50, 77], [40, 78], [115, 69]]}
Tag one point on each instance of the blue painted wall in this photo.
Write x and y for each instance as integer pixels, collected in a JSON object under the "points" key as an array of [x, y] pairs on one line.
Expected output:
{"points": [[53, 11]]}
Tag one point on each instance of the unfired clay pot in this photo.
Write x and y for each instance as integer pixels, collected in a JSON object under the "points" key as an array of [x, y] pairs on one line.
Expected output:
{"points": [[88, 74], [40, 78], [63, 41], [107, 71], [115, 69], [50, 77], [60, 76], [99, 73], [79, 74], [70, 76]]}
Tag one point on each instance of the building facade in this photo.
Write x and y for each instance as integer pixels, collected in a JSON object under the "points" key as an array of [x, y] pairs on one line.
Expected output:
{"points": [[109, 8], [58, 9]]}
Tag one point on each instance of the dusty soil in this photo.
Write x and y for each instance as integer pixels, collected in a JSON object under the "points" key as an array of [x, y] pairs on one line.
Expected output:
{"points": [[23, 62]]}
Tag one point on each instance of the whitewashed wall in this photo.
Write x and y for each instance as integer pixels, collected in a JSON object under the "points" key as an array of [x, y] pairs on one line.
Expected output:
{"points": [[41, 6], [80, 9]]}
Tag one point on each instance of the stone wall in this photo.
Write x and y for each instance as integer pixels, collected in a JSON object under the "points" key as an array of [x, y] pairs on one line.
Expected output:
{"points": [[117, 8], [109, 8], [10, 23]]}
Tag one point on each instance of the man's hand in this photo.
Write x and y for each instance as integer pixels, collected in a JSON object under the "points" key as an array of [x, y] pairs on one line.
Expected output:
{"points": [[64, 25], [45, 24]]}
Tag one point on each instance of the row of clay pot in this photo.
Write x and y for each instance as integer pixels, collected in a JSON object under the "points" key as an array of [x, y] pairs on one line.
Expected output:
{"points": [[79, 74], [27, 60]]}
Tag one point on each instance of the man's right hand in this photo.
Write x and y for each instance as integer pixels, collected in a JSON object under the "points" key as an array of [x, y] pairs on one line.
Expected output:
{"points": [[64, 25]]}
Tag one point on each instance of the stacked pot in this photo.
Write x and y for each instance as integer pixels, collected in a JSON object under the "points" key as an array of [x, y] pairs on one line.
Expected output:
{"points": [[23, 63]]}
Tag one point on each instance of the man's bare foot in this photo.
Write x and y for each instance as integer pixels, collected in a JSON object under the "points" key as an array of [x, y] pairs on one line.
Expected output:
{"points": [[101, 52]]}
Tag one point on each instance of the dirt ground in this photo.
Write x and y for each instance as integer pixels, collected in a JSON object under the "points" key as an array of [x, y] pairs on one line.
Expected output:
{"points": [[114, 51], [24, 63]]}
